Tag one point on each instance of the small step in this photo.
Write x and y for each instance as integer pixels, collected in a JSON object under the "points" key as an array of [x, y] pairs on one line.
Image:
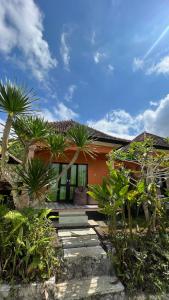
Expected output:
{"points": [[97, 287], [73, 219], [82, 241], [85, 262], [89, 224], [75, 232], [76, 253], [69, 212]]}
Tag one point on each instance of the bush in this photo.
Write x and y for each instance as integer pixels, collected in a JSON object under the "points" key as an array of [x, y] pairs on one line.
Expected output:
{"points": [[143, 263], [27, 246]]}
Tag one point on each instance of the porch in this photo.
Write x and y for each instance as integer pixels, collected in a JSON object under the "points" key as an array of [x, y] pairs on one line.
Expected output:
{"points": [[60, 207]]}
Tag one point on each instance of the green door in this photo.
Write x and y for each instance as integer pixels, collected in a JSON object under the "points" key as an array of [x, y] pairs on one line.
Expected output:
{"points": [[75, 176]]}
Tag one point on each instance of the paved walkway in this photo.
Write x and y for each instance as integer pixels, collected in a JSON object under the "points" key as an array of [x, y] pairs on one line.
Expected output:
{"points": [[87, 269]]}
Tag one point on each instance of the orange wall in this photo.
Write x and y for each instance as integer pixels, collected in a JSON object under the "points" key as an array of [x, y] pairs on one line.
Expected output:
{"points": [[97, 167]]}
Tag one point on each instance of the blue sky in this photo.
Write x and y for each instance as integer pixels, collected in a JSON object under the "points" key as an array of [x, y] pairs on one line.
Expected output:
{"points": [[101, 62]]}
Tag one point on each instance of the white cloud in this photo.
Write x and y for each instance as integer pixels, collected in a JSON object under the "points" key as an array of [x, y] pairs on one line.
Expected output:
{"points": [[93, 38], [2, 123], [156, 121], [69, 95], [153, 103], [98, 56], [116, 123], [21, 27], [110, 68], [138, 64], [160, 68], [122, 124], [60, 112], [65, 51]]}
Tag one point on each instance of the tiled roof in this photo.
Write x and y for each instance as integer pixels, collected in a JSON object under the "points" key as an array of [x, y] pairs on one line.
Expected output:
{"points": [[158, 141], [64, 126]]}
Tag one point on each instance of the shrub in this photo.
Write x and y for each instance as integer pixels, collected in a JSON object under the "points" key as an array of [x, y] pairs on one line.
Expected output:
{"points": [[143, 264], [27, 245]]}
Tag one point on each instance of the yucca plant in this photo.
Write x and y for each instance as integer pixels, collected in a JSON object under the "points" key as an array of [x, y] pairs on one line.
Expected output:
{"points": [[14, 100], [30, 130], [79, 137], [36, 177], [57, 144]]}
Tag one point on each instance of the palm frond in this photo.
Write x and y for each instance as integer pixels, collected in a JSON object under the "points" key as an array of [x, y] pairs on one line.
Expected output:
{"points": [[79, 135], [36, 176], [57, 144], [14, 99], [30, 128]]}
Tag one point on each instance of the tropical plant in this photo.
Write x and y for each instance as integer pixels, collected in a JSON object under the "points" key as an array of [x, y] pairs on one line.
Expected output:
{"points": [[112, 196], [79, 137], [27, 246], [30, 130], [36, 177], [153, 168], [143, 265], [57, 144], [14, 100]]}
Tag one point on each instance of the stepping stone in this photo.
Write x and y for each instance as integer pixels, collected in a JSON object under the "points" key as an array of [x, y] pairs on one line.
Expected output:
{"points": [[102, 288], [82, 241], [73, 217], [85, 262], [92, 252], [69, 212], [90, 223], [76, 232]]}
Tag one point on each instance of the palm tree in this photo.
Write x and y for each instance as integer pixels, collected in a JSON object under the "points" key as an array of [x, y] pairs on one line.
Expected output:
{"points": [[79, 137], [14, 100]]}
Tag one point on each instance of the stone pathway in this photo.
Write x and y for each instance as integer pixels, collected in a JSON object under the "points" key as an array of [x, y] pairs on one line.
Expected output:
{"points": [[87, 272]]}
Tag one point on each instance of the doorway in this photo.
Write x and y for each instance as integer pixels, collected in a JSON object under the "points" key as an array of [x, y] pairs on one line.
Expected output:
{"points": [[75, 176]]}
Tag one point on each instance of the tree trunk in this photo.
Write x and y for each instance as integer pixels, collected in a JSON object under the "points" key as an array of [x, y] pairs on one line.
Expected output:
{"points": [[146, 211], [129, 220], [75, 157], [5, 138]]}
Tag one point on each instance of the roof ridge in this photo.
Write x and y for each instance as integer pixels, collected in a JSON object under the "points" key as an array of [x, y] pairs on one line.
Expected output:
{"points": [[102, 136]]}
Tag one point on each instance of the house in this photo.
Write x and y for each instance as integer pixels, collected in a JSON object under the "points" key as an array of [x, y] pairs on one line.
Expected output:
{"points": [[86, 170]]}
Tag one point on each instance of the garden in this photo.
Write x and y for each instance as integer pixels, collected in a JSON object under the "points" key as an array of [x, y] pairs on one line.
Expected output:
{"points": [[134, 200], [28, 241], [135, 203]]}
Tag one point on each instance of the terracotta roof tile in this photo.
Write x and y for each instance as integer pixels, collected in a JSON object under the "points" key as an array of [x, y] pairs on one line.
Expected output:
{"points": [[159, 142], [64, 126]]}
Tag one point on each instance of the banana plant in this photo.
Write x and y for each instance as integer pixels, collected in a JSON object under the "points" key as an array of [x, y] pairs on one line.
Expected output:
{"points": [[112, 195]]}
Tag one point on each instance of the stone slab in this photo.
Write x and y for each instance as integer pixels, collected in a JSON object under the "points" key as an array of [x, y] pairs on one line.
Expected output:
{"points": [[93, 223], [90, 223], [102, 224], [76, 253], [103, 287], [72, 226], [74, 219], [75, 232], [72, 212], [82, 241]]}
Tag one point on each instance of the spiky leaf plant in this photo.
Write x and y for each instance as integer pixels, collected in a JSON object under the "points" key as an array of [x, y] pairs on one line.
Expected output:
{"points": [[14, 100]]}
